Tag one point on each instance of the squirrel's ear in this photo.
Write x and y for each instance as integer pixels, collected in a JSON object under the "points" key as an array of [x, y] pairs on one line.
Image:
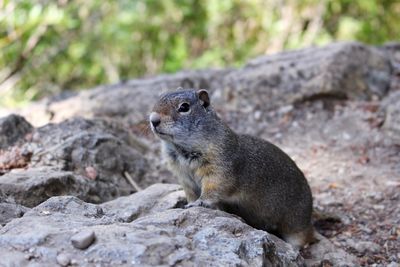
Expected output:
{"points": [[203, 96]]}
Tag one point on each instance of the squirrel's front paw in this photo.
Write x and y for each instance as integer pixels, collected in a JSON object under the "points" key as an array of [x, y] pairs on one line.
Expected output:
{"points": [[200, 203]]}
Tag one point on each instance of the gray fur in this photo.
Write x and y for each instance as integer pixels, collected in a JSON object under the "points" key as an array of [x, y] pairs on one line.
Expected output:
{"points": [[254, 179]]}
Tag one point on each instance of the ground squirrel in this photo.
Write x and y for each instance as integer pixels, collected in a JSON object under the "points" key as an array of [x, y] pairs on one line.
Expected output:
{"points": [[240, 174]]}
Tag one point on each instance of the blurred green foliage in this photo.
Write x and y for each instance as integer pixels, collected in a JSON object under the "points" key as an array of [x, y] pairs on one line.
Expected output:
{"points": [[47, 46]]}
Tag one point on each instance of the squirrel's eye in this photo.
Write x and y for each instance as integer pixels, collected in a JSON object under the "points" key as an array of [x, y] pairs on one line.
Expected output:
{"points": [[184, 107]]}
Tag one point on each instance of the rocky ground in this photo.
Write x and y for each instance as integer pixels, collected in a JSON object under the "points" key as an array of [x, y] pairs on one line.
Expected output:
{"points": [[70, 167]]}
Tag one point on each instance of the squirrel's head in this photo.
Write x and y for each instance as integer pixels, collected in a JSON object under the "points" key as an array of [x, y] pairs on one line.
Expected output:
{"points": [[181, 117]]}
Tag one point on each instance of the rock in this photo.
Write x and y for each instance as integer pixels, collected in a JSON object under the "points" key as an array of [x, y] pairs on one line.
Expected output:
{"points": [[340, 70], [106, 147], [366, 246], [392, 50], [53, 134], [12, 129], [9, 211], [32, 186], [325, 253], [63, 259], [391, 107], [14, 158], [157, 197], [84, 158], [327, 199], [83, 239], [217, 239], [192, 237], [393, 264]]}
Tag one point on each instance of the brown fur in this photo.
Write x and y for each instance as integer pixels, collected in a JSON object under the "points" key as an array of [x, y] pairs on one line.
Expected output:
{"points": [[240, 174]]}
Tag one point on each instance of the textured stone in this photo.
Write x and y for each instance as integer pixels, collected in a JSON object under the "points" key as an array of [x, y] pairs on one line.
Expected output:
{"points": [[324, 253], [12, 129], [9, 211], [192, 237], [391, 107], [63, 259], [32, 186], [83, 239], [365, 246], [157, 197], [339, 70], [84, 158], [106, 147]]}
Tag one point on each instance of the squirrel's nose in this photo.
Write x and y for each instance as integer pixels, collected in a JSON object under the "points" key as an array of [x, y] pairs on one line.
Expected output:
{"points": [[155, 119]]}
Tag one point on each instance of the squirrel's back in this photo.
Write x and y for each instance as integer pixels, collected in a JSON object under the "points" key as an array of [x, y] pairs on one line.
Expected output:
{"points": [[283, 191]]}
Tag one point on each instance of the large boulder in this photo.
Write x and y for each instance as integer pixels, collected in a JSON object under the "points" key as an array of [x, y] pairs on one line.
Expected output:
{"points": [[340, 70], [168, 237], [32, 186], [90, 159], [79, 144]]}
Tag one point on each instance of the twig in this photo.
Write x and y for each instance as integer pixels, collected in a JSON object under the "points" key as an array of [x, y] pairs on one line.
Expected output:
{"points": [[132, 182]]}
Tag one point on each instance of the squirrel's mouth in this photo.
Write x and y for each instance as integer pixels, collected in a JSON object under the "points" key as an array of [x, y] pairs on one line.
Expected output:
{"points": [[160, 133]]}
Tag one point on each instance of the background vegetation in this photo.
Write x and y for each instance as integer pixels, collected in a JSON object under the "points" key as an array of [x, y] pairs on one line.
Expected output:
{"points": [[47, 46]]}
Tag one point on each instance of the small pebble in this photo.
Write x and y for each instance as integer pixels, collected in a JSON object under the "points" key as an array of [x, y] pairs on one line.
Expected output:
{"points": [[378, 207], [257, 115], [83, 239], [393, 264], [392, 257], [393, 230], [63, 259], [377, 196], [366, 230], [91, 172], [364, 246]]}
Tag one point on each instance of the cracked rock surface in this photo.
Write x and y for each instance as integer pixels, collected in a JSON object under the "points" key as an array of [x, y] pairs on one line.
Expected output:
{"points": [[192, 237]]}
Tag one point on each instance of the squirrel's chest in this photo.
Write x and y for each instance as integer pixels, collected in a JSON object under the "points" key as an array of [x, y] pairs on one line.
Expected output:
{"points": [[184, 163], [187, 163]]}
